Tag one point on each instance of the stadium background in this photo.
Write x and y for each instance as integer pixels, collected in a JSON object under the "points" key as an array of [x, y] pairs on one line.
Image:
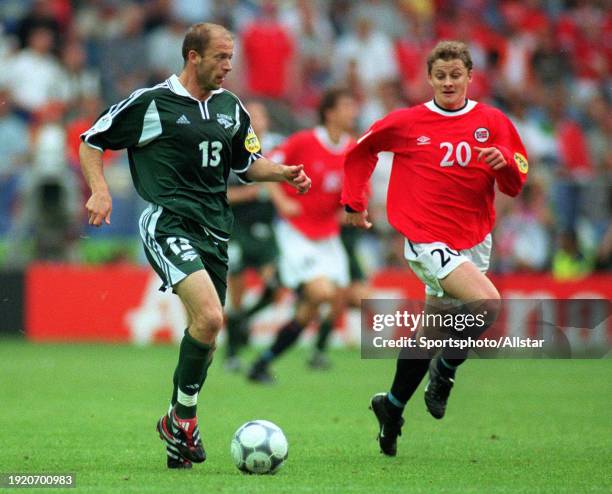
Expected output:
{"points": [[546, 63], [72, 404]]}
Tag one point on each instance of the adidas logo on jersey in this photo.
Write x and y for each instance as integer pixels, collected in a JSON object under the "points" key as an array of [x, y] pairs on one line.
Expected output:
{"points": [[423, 140], [183, 120]]}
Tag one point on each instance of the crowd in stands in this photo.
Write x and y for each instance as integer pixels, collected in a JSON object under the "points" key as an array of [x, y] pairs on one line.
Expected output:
{"points": [[545, 62]]}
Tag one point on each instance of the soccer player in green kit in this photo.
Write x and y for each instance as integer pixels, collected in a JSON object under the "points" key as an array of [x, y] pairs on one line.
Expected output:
{"points": [[183, 137]]}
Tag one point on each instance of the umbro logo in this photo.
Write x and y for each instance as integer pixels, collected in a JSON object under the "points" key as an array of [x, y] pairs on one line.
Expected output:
{"points": [[183, 120], [423, 140]]}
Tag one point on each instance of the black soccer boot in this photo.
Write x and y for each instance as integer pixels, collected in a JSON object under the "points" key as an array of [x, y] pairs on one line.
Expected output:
{"points": [[389, 428], [437, 390]]}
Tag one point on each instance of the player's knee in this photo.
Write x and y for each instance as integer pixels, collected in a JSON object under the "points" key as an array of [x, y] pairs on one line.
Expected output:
{"points": [[320, 291], [489, 306], [207, 323]]}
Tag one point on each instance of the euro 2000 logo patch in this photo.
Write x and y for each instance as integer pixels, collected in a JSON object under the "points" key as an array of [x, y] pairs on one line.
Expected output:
{"points": [[251, 143], [481, 134], [521, 162]]}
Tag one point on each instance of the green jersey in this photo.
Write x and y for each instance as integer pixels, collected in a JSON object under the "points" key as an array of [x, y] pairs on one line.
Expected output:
{"points": [[181, 149]]}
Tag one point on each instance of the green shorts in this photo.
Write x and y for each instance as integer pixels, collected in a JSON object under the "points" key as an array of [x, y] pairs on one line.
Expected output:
{"points": [[176, 247], [252, 246]]}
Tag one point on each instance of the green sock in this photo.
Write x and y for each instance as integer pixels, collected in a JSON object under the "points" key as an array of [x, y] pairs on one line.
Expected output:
{"points": [[194, 359], [325, 330]]}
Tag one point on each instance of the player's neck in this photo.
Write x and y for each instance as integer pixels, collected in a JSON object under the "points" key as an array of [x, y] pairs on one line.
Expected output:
{"points": [[189, 82], [334, 133]]}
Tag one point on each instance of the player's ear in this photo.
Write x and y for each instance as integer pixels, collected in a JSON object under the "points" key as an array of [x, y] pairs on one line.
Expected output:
{"points": [[194, 57], [470, 75]]}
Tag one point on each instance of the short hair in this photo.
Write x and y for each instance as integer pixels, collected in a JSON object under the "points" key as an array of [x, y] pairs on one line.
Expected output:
{"points": [[198, 37], [330, 99], [450, 50]]}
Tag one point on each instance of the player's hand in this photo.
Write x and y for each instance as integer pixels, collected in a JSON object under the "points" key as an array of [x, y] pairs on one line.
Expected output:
{"points": [[492, 157], [358, 219], [99, 207], [296, 177]]}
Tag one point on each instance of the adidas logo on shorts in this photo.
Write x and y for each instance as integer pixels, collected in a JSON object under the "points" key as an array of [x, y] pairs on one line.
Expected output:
{"points": [[183, 120]]}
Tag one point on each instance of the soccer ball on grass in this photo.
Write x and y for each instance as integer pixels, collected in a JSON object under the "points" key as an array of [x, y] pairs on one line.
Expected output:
{"points": [[260, 447]]}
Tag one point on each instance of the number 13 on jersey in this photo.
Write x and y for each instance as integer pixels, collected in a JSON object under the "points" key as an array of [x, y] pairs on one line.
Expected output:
{"points": [[211, 153]]}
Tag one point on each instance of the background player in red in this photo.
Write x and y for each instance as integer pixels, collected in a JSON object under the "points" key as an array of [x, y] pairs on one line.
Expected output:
{"points": [[312, 259], [449, 154]]}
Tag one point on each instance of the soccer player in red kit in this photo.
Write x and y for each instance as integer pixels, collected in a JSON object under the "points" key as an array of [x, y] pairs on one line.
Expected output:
{"points": [[448, 155], [312, 259]]}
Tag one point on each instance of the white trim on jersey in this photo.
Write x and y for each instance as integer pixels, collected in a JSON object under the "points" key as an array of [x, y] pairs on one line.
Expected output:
{"points": [[106, 120], [237, 124], [176, 87], [322, 136], [431, 105], [151, 126]]}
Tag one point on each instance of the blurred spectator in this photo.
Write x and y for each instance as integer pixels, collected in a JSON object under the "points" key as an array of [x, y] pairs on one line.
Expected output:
{"points": [[384, 15], [387, 97], [522, 240], [52, 15], [163, 44], [48, 209], [365, 54], [547, 62], [14, 140], [550, 65], [77, 80], [124, 56], [411, 51], [574, 168], [314, 35], [33, 74], [569, 262], [192, 12], [268, 49]]}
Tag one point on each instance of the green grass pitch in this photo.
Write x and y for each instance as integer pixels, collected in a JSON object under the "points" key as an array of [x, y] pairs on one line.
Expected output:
{"points": [[512, 425]]}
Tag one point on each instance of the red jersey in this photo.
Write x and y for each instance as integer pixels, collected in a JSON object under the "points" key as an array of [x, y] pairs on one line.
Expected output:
{"points": [[323, 162], [268, 49], [438, 192]]}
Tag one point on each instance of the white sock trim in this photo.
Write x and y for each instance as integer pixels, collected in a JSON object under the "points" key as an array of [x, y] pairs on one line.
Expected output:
{"points": [[187, 400]]}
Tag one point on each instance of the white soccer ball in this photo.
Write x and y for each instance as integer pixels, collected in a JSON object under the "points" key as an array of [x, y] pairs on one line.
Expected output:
{"points": [[260, 447]]}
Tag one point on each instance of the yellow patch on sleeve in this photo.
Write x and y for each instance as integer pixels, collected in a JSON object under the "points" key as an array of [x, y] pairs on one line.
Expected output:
{"points": [[521, 162], [251, 143]]}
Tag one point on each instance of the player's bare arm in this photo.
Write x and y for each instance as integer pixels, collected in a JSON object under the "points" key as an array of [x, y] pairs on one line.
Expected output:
{"points": [[285, 205], [99, 204], [492, 157], [265, 170]]}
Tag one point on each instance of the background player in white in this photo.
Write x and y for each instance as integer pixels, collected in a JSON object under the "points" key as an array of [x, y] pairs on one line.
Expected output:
{"points": [[312, 259], [449, 154]]}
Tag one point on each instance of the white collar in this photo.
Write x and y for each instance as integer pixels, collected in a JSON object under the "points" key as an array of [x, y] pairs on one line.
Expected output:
{"points": [[322, 136], [431, 105], [174, 83]]}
